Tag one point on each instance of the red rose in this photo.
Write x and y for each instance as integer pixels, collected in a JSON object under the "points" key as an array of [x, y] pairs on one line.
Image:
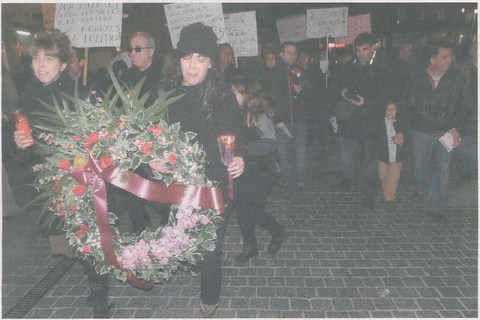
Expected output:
{"points": [[76, 138], [72, 208], [79, 233], [105, 161], [55, 186], [64, 164], [84, 228], [92, 137], [146, 148], [79, 190], [173, 158], [86, 250], [62, 213]]}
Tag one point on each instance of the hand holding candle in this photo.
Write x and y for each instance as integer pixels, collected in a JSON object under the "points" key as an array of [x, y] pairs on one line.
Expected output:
{"points": [[227, 150]]}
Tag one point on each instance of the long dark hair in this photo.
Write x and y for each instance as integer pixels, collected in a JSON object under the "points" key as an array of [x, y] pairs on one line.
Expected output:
{"points": [[211, 92]]}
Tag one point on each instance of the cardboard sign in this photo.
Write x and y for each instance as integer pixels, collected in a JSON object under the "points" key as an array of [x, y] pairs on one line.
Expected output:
{"points": [[292, 28], [331, 22], [90, 25], [180, 15], [356, 25], [242, 33]]}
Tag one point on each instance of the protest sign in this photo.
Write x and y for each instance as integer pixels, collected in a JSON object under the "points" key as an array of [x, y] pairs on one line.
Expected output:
{"points": [[356, 25], [242, 33], [180, 15], [293, 28], [90, 25], [330, 22]]}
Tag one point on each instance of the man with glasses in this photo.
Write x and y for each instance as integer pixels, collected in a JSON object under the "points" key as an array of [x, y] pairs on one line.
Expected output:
{"points": [[142, 49]]}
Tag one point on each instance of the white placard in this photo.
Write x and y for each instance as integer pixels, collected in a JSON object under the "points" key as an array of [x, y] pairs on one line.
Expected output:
{"points": [[180, 15], [242, 33], [90, 25], [292, 28], [331, 22]]}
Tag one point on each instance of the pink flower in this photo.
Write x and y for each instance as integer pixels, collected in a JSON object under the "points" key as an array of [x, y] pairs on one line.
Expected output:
{"points": [[64, 164], [172, 158], [105, 161], [204, 220], [79, 190]]}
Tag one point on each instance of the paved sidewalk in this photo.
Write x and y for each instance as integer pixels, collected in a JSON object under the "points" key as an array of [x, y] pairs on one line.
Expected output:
{"points": [[339, 260]]}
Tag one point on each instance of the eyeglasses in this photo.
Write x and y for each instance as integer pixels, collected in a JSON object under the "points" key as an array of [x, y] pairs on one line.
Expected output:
{"points": [[138, 49]]}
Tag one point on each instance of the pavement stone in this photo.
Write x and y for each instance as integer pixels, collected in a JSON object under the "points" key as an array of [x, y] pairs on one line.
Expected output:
{"points": [[339, 261]]}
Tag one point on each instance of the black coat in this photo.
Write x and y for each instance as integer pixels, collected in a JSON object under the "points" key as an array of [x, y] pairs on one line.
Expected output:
{"points": [[434, 111], [281, 96], [376, 85], [153, 75], [227, 119]]}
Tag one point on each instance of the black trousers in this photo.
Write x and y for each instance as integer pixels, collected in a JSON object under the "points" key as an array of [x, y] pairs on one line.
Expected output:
{"points": [[251, 209]]}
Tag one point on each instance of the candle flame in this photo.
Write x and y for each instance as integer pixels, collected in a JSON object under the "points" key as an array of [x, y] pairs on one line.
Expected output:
{"points": [[229, 140]]}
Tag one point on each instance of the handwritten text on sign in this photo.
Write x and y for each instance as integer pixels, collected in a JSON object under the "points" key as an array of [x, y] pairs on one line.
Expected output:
{"points": [[331, 22], [90, 24], [180, 15], [356, 25], [242, 33], [292, 28]]}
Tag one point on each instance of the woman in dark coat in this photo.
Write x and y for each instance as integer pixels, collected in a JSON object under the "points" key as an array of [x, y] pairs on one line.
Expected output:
{"points": [[210, 113], [50, 55]]}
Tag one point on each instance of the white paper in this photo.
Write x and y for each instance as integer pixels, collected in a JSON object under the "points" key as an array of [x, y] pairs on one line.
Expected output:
{"points": [[292, 28], [330, 22], [242, 33], [90, 25], [447, 141]]}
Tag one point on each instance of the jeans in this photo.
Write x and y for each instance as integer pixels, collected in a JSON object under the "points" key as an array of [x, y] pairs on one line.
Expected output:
{"points": [[292, 153], [423, 146], [370, 162], [468, 151], [250, 210], [211, 268]]}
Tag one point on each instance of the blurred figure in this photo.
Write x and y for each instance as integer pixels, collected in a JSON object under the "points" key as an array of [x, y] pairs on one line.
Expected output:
{"points": [[468, 148], [313, 81], [25, 76], [440, 104], [227, 67], [408, 62], [288, 103]]}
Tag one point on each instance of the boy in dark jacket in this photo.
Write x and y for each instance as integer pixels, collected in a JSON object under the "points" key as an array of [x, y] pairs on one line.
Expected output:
{"points": [[391, 153]]}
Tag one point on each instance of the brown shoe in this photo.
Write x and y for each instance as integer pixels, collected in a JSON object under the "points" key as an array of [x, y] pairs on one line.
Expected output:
{"points": [[417, 197], [208, 311]]}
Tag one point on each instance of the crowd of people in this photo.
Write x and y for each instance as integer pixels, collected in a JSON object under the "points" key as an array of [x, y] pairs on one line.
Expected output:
{"points": [[276, 105]]}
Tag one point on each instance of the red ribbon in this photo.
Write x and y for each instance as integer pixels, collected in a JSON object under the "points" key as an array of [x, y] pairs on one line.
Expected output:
{"points": [[190, 195]]}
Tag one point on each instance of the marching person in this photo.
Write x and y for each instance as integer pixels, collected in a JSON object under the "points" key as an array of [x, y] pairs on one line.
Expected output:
{"points": [[261, 174], [210, 113], [50, 54]]}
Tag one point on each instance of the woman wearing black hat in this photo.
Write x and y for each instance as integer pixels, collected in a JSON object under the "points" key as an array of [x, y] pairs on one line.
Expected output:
{"points": [[210, 113]]}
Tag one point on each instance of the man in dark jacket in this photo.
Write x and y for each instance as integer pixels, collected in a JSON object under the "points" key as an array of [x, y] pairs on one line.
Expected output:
{"points": [[439, 102], [367, 84], [142, 49], [287, 101]]}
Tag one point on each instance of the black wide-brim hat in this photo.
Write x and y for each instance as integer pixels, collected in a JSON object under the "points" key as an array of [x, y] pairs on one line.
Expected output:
{"points": [[198, 38]]}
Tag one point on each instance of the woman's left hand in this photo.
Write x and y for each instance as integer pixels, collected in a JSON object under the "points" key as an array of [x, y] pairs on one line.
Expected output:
{"points": [[236, 167]]}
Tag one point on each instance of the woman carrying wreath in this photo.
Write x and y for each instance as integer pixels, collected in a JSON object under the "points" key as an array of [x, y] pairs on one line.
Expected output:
{"points": [[50, 54], [210, 113]]}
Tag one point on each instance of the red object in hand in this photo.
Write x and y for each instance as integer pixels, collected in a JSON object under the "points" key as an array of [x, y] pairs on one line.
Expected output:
{"points": [[21, 123]]}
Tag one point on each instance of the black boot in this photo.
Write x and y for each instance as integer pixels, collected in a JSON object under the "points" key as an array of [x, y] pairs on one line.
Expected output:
{"points": [[99, 299], [277, 241], [248, 251]]}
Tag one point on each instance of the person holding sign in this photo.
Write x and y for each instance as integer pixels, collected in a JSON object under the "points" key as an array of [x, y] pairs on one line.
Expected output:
{"points": [[367, 84], [288, 103], [50, 54], [209, 112]]}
